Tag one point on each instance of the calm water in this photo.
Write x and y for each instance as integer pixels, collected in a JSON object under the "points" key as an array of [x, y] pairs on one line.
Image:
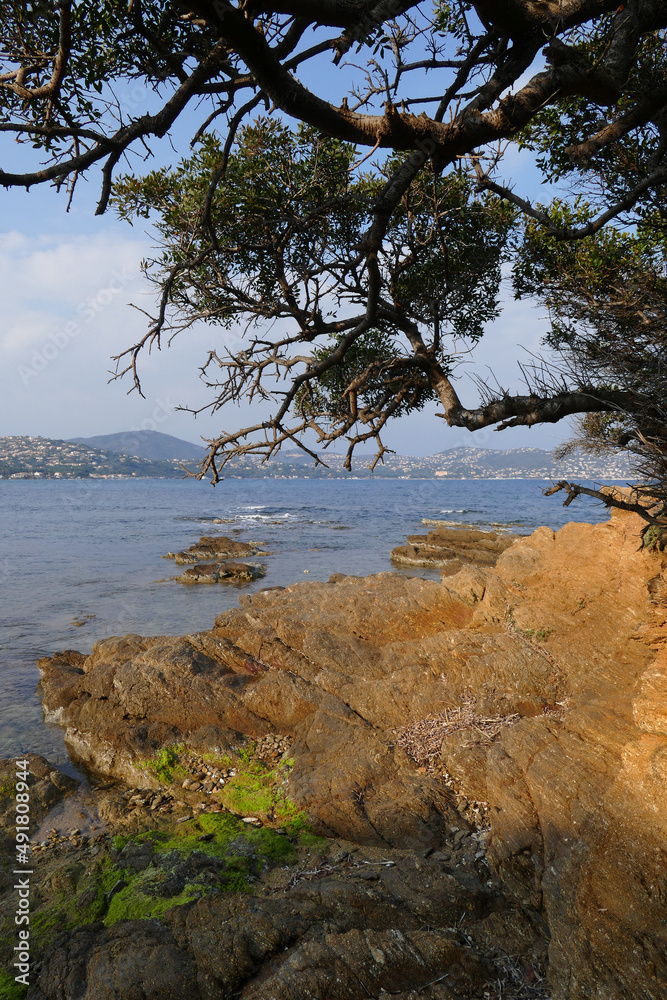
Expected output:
{"points": [[91, 551]]}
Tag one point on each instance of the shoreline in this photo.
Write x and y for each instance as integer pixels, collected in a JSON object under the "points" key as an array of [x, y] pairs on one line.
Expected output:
{"points": [[436, 723]]}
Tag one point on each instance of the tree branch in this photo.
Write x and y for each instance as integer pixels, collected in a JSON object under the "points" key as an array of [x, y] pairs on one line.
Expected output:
{"points": [[608, 496], [51, 88], [654, 179], [525, 411]]}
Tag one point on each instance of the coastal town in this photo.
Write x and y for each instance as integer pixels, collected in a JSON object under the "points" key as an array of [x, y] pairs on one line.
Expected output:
{"points": [[42, 458]]}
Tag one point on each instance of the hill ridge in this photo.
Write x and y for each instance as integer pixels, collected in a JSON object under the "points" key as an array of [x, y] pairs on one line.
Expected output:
{"points": [[148, 444]]}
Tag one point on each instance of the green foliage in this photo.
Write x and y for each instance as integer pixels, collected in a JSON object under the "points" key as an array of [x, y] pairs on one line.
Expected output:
{"points": [[457, 241], [290, 207], [375, 365], [286, 204], [452, 18], [559, 127], [607, 301], [246, 753], [105, 49], [575, 279], [379, 273], [290, 211], [541, 634]]}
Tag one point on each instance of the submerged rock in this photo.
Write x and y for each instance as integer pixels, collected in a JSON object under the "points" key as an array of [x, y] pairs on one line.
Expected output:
{"points": [[449, 549], [47, 786], [227, 572], [216, 547]]}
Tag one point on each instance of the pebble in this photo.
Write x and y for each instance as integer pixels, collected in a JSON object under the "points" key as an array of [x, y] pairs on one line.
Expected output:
{"points": [[441, 856]]}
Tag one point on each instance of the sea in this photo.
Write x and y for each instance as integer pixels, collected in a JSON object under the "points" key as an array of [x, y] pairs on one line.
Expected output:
{"points": [[81, 560]]}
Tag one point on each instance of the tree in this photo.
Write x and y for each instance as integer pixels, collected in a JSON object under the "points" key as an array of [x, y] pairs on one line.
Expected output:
{"points": [[281, 243], [607, 301], [581, 83]]}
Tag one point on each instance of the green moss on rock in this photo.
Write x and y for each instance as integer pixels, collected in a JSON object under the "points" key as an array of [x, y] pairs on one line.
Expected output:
{"points": [[259, 790], [79, 895], [9, 988], [8, 788], [220, 830], [165, 763], [133, 904]]}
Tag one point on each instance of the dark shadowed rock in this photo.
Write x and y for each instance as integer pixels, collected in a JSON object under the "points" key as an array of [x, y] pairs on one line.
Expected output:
{"points": [[227, 572], [47, 786], [331, 938], [133, 960]]}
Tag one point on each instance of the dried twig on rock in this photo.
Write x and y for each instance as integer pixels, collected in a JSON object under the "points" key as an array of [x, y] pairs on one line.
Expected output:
{"points": [[422, 740]]}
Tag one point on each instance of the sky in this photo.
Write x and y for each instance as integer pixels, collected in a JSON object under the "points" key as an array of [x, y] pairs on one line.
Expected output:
{"points": [[68, 284]]}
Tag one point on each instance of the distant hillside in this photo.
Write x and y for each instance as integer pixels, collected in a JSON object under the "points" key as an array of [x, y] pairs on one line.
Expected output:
{"points": [[525, 463], [36, 457], [43, 458], [454, 463], [145, 444]]}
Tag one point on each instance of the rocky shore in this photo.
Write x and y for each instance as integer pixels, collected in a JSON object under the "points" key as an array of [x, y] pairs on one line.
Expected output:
{"points": [[376, 784], [450, 549]]}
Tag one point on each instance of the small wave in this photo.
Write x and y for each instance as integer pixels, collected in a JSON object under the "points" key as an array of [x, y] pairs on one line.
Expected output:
{"points": [[259, 517], [460, 510]]}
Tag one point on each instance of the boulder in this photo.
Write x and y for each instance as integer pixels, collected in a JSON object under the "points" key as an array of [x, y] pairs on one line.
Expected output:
{"points": [[216, 547], [450, 549]]}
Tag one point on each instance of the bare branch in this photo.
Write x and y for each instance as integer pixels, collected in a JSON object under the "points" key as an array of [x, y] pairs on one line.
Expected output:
{"points": [[610, 497], [624, 204]]}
